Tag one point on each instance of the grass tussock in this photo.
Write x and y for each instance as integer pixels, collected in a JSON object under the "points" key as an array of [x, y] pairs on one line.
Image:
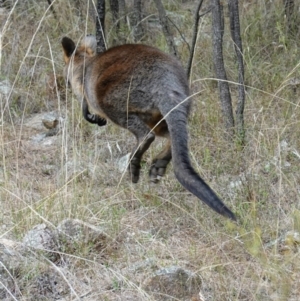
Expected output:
{"points": [[74, 174]]}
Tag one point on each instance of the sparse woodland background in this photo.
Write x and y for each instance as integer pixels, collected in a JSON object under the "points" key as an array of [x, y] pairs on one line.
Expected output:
{"points": [[76, 172]]}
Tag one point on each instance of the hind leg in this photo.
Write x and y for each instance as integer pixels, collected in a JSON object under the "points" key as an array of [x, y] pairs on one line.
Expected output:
{"points": [[160, 163], [144, 138]]}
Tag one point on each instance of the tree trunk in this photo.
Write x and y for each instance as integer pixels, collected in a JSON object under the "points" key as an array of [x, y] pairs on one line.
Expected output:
{"points": [[114, 7], [115, 12], [8, 4], [194, 40], [233, 6], [100, 19], [291, 16], [138, 31], [122, 6], [122, 12], [217, 38], [165, 27], [51, 8]]}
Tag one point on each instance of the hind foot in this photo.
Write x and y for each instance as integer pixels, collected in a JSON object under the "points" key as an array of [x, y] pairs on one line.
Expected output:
{"points": [[157, 169], [134, 170]]}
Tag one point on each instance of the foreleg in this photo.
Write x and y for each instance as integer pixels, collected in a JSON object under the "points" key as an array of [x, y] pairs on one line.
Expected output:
{"points": [[91, 118]]}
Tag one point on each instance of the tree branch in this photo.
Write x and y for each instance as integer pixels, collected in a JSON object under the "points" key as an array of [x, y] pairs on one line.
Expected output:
{"points": [[194, 40]]}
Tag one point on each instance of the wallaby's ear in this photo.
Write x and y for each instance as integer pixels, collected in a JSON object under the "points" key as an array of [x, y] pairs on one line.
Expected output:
{"points": [[68, 46]]}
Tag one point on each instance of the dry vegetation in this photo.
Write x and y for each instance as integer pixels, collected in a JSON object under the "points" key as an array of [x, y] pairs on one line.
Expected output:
{"points": [[74, 174]]}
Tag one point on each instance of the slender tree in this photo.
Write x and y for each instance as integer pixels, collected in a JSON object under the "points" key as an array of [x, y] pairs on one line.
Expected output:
{"points": [[51, 8], [235, 30], [8, 4], [136, 20], [292, 15], [122, 12], [217, 39], [100, 29], [114, 7], [165, 27], [194, 40], [122, 6]]}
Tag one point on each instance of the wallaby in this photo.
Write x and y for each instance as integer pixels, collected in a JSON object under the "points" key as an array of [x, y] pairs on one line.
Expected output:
{"points": [[146, 91]]}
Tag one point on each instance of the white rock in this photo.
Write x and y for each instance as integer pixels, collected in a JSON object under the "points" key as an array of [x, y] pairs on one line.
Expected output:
{"points": [[123, 162], [5, 87]]}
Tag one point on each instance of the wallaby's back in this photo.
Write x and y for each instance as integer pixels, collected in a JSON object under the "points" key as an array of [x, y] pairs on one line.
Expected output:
{"points": [[136, 74]]}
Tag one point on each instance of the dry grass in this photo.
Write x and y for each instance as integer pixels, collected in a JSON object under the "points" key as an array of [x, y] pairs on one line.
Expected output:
{"points": [[76, 175]]}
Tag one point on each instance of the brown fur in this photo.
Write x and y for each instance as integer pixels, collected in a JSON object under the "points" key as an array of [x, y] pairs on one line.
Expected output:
{"points": [[142, 89]]}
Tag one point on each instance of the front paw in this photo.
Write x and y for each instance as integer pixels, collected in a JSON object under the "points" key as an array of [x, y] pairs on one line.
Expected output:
{"points": [[93, 118], [101, 121]]}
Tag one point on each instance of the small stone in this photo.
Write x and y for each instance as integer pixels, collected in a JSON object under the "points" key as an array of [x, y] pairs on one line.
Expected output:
{"points": [[50, 121]]}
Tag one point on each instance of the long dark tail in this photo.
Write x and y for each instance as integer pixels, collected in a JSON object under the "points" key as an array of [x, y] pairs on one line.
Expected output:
{"points": [[185, 173]]}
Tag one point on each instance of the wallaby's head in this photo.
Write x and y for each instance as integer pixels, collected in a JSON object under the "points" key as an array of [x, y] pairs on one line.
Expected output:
{"points": [[87, 48], [75, 56]]}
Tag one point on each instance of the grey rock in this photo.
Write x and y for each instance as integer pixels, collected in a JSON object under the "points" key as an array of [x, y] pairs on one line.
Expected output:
{"points": [[35, 122], [16, 263], [43, 239], [74, 232], [38, 138], [11, 261], [49, 120], [77, 170], [49, 285], [287, 243], [173, 282]]}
